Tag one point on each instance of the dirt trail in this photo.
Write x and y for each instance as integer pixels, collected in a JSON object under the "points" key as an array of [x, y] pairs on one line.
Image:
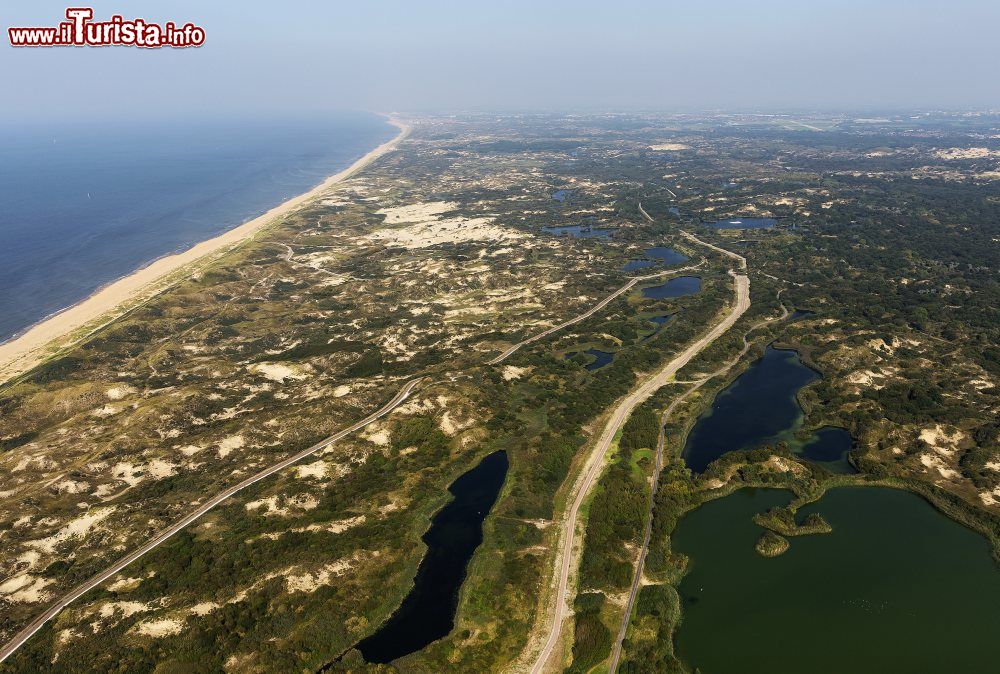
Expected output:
{"points": [[595, 461]]}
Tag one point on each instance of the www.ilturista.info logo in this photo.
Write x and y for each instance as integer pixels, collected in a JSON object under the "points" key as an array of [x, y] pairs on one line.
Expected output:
{"points": [[80, 31]]}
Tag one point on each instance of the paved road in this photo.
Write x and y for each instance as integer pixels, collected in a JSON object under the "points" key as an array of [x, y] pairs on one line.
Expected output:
{"points": [[593, 310], [621, 412], [163, 536], [616, 649]]}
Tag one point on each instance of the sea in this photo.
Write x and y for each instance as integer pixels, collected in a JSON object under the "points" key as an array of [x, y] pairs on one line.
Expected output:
{"points": [[85, 203]]}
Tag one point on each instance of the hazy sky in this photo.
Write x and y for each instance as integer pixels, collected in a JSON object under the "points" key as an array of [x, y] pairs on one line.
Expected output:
{"points": [[423, 55]]}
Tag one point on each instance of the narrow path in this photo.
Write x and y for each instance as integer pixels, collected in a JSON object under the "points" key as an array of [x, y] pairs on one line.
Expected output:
{"points": [[593, 310], [592, 468], [166, 534], [624, 409], [640, 566], [616, 649]]}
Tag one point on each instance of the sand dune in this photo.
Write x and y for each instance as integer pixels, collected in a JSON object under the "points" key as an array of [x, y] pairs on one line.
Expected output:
{"points": [[76, 322]]}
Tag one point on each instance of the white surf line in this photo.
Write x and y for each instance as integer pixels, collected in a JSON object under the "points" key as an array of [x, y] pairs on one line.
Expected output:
{"points": [[75, 323], [21, 637]]}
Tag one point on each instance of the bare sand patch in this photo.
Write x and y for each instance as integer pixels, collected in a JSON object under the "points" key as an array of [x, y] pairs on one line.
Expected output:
{"points": [[317, 469], [160, 628], [125, 584], [190, 450], [511, 372], [335, 527], [125, 608], [227, 445], [204, 608], [941, 440], [270, 507], [77, 528], [952, 153], [309, 582], [25, 589], [279, 372], [783, 465], [990, 498], [71, 487], [119, 392], [453, 230], [934, 462], [669, 147], [378, 436], [421, 212]]}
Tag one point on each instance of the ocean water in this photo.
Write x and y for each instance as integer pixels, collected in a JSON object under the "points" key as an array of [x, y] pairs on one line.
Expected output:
{"points": [[84, 204]]}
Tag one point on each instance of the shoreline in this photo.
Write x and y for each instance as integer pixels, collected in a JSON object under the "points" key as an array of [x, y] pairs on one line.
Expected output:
{"points": [[55, 332]]}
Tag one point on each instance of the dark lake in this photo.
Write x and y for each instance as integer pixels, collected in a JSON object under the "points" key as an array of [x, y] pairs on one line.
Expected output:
{"points": [[428, 611], [896, 587], [744, 223], [659, 322], [560, 195], [633, 265], [601, 358], [829, 446], [675, 287], [658, 255], [757, 408]]}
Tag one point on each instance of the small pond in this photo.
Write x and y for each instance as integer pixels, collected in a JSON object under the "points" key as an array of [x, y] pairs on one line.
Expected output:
{"points": [[666, 256], [759, 408], [828, 447], [657, 255], [428, 611], [600, 358], [675, 287], [659, 321]]}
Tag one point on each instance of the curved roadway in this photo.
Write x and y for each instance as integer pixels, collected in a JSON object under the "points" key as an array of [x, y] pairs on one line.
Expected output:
{"points": [[593, 310], [621, 412], [163, 536]]}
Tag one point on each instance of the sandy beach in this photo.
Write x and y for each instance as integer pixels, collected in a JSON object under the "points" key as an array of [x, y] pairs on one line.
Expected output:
{"points": [[74, 323]]}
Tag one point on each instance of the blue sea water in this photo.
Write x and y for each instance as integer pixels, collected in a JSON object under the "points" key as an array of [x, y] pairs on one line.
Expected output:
{"points": [[82, 204]]}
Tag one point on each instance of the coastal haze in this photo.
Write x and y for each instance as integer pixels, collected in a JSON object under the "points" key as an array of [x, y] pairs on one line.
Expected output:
{"points": [[395, 337], [585, 55]]}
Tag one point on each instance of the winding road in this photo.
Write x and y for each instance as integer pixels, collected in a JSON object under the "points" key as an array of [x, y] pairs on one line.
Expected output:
{"points": [[620, 414], [593, 310], [166, 534], [591, 472]]}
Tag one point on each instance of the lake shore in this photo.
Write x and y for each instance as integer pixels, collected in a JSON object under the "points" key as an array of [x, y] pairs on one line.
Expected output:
{"points": [[69, 326]]}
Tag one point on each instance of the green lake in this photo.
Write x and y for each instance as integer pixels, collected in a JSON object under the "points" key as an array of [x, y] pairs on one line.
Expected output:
{"points": [[896, 587]]}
